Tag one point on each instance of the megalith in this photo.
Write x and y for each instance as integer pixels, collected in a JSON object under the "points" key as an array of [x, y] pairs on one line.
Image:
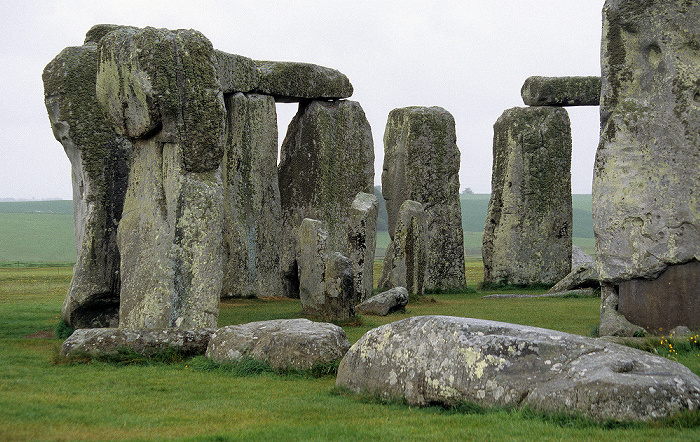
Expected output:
{"points": [[159, 88], [561, 91], [251, 198], [406, 259], [326, 282], [327, 157], [100, 160], [362, 241], [646, 192], [421, 163], [528, 232]]}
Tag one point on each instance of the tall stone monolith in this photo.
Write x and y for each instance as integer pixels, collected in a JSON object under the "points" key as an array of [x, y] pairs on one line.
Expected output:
{"points": [[362, 241], [421, 163], [646, 192], [251, 198], [406, 259], [160, 89], [327, 157], [100, 160], [528, 232]]}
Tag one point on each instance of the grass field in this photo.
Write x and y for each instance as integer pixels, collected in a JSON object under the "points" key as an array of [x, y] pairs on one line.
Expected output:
{"points": [[181, 401]]}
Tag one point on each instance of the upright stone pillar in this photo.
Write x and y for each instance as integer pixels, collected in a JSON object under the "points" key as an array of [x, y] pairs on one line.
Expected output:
{"points": [[405, 262], [362, 240], [421, 163], [160, 89], [251, 198], [528, 232], [326, 158], [100, 160], [646, 192]]}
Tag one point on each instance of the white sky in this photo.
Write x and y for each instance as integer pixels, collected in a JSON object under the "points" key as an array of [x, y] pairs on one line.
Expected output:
{"points": [[470, 57]]}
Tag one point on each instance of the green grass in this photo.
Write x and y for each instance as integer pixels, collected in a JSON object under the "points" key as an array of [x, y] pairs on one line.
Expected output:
{"points": [[193, 400]]}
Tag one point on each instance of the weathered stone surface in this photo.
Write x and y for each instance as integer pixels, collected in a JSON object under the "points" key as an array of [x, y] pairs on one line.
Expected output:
{"points": [[561, 91], [384, 303], [612, 323], [421, 163], [551, 294], [406, 257], [585, 275], [293, 81], [160, 89], [107, 341], [283, 344], [93, 36], [326, 158], [579, 257], [100, 160], [251, 198], [445, 360], [236, 72], [528, 232], [362, 239], [646, 192], [155, 81], [326, 282]]}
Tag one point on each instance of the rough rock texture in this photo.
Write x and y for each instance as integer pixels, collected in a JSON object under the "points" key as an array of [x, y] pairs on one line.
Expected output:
{"points": [[100, 160], [283, 344], [528, 232], [251, 198], [236, 72], [421, 163], [108, 341], [585, 275], [406, 257], [561, 91], [579, 257], [160, 89], [384, 303], [362, 239], [293, 81], [445, 360], [612, 323], [326, 158], [646, 192], [326, 282]]}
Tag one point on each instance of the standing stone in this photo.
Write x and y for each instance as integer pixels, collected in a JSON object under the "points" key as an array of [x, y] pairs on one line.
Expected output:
{"points": [[527, 237], [251, 198], [326, 283], [362, 240], [100, 160], [326, 158], [160, 89], [421, 163], [646, 192], [561, 91], [405, 262]]}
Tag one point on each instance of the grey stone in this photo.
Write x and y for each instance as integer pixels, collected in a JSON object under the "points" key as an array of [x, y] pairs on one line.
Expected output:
{"points": [[108, 341], [646, 203], [293, 81], [339, 289], [585, 275], [579, 257], [448, 360], [236, 72], [406, 258], [551, 294], [283, 344], [384, 303], [612, 323], [362, 239], [170, 234], [251, 198], [681, 331], [421, 163], [326, 158], [528, 232], [100, 161], [561, 91]]}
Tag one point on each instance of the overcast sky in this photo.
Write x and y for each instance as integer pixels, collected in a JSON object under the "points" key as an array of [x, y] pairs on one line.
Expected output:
{"points": [[469, 57]]}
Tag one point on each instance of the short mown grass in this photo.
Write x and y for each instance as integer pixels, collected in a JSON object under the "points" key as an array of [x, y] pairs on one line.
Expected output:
{"points": [[195, 399]]}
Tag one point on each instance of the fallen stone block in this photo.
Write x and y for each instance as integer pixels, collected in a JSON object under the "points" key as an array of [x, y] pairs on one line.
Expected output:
{"points": [[283, 344], [447, 360], [384, 303]]}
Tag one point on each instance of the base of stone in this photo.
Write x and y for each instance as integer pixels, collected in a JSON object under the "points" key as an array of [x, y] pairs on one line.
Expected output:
{"points": [[659, 305]]}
